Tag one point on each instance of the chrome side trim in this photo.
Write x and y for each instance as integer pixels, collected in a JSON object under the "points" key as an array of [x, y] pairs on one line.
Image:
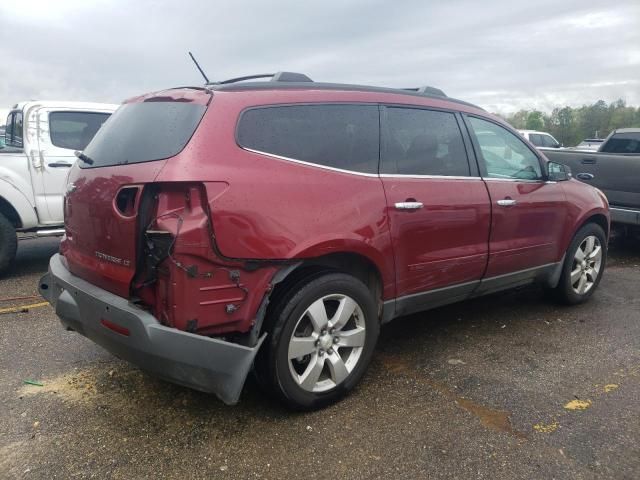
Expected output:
{"points": [[309, 164], [625, 215], [449, 177], [520, 180]]}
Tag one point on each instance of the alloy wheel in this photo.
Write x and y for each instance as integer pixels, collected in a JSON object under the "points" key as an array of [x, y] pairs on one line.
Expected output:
{"points": [[587, 262], [327, 343]]}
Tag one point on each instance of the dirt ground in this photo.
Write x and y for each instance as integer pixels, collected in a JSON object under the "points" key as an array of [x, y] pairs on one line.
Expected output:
{"points": [[509, 386]]}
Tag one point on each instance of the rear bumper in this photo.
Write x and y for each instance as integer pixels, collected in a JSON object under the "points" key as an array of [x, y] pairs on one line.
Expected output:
{"points": [[195, 361], [628, 216]]}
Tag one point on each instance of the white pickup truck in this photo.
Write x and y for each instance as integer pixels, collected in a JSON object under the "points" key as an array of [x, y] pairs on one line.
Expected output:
{"points": [[39, 143]]}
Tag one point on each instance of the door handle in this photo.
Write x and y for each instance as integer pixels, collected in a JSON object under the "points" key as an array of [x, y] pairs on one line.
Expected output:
{"points": [[588, 161], [409, 205], [585, 176], [59, 164], [507, 202]]}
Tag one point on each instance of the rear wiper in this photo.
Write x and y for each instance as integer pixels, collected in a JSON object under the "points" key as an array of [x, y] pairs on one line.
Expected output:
{"points": [[83, 157]]}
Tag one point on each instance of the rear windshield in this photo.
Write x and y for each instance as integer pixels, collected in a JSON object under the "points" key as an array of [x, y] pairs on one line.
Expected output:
{"points": [[144, 132]]}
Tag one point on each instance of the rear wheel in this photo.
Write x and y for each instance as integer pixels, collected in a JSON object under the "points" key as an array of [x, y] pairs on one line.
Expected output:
{"points": [[323, 335], [8, 244], [583, 265]]}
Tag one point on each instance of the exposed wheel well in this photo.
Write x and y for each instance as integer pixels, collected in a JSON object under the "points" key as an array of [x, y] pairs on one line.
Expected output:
{"points": [[598, 219], [350, 263], [10, 213]]}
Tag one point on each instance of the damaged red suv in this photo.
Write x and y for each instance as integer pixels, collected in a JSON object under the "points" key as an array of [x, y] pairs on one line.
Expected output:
{"points": [[277, 224]]}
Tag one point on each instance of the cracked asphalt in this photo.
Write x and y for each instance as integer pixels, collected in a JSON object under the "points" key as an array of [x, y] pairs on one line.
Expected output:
{"points": [[509, 386]]}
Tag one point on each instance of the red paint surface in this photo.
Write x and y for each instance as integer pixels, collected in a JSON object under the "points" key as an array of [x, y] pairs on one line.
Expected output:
{"points": [[443, 243], [239, 205], [529, 233]]}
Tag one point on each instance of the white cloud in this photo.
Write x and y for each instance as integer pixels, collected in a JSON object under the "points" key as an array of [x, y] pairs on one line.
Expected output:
{"points": [[501, 54]]}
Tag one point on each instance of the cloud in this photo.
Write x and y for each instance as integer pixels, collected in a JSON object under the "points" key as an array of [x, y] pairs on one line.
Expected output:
{"points": [[499, 54]]}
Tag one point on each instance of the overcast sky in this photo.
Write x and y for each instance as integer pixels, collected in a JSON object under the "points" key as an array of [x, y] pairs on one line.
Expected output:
{"points": [[502, 55]]}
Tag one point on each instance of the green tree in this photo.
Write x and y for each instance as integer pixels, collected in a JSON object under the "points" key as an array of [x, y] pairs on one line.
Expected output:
{"points": [[535, 120], [572, 125]]}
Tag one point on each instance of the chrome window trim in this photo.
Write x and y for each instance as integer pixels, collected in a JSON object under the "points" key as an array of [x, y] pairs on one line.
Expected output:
{"points": [[450, 177], [521, 180], [309, 164]]}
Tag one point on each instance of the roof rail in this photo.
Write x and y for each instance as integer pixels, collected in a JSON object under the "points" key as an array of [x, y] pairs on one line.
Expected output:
{"points": [[428, 91], [275, 77]]}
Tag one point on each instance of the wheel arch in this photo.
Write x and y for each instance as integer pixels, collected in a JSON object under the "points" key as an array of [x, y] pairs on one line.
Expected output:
{"points": [[351, 263], [599, 219], [10, 213]]}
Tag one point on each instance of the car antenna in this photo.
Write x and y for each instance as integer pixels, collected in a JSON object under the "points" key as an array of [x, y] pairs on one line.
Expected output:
{"points": [[200, 69]]}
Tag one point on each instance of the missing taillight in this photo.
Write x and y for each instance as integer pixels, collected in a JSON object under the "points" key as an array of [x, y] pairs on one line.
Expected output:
{"points": [[126, 201]]}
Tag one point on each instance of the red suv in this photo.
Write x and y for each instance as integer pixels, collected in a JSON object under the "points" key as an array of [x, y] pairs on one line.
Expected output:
{"points": [[277, 224]]}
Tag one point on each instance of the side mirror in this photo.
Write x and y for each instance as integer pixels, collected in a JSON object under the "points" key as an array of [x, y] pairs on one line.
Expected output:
{"points": [[556, 172]]}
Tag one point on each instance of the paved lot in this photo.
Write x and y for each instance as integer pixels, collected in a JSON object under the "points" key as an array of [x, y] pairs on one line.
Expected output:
{"points": [[509, 386]]}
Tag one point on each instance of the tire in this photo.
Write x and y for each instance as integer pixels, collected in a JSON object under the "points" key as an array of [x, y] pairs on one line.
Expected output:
{"points": [[579, 280], [334, 350], [8, 244]]}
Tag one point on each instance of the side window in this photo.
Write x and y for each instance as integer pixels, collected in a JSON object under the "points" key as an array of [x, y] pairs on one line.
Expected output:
{"points": [[339, 136], [423, 142], [504, 154], [13, 134], [536, 139], [548, 141], [74, 130], [8, 129]]}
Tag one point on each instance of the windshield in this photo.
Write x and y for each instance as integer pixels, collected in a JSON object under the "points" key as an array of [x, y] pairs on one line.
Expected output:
{"points": [[144, 132]]}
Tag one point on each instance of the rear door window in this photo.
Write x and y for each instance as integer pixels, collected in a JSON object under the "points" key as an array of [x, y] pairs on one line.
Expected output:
{"points": [[74, 130], [13, 133], [144, 132], [504, 154], [422, 142], [536, 139], [334, 135]]}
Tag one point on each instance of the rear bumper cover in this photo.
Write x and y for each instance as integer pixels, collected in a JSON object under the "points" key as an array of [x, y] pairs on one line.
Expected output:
{"points": [[629, 216], [196, 361]]}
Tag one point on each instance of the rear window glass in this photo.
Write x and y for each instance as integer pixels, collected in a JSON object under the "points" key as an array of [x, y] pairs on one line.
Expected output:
{"points": [[623, 143], [74, 130], [143, 132], [339, 136]]}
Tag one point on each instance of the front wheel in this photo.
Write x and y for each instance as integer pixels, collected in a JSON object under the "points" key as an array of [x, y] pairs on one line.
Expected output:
{"points": [[322, 341], [583, 265]]}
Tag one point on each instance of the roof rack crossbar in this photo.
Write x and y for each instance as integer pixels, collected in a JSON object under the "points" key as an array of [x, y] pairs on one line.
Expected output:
{"points": [[275, 77]]}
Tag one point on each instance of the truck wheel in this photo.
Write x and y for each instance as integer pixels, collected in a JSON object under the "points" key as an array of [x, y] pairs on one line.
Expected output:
{"points": [[583, 265], [8, 244], [323, 335]]}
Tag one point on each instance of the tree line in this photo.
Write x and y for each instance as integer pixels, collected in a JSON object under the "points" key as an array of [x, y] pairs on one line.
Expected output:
{"points": [[572, 125]]}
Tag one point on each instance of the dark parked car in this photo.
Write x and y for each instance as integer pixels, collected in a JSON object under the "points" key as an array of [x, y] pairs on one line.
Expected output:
{"points": [[614, 168], [279, 223], [591, 144]]}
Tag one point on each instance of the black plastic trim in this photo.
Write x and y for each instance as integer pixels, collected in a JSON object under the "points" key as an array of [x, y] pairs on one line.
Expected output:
{"points": [[548, 274]]}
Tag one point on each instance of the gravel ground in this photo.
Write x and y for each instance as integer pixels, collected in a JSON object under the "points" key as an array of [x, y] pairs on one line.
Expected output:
{"points": [[509, 386]]}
